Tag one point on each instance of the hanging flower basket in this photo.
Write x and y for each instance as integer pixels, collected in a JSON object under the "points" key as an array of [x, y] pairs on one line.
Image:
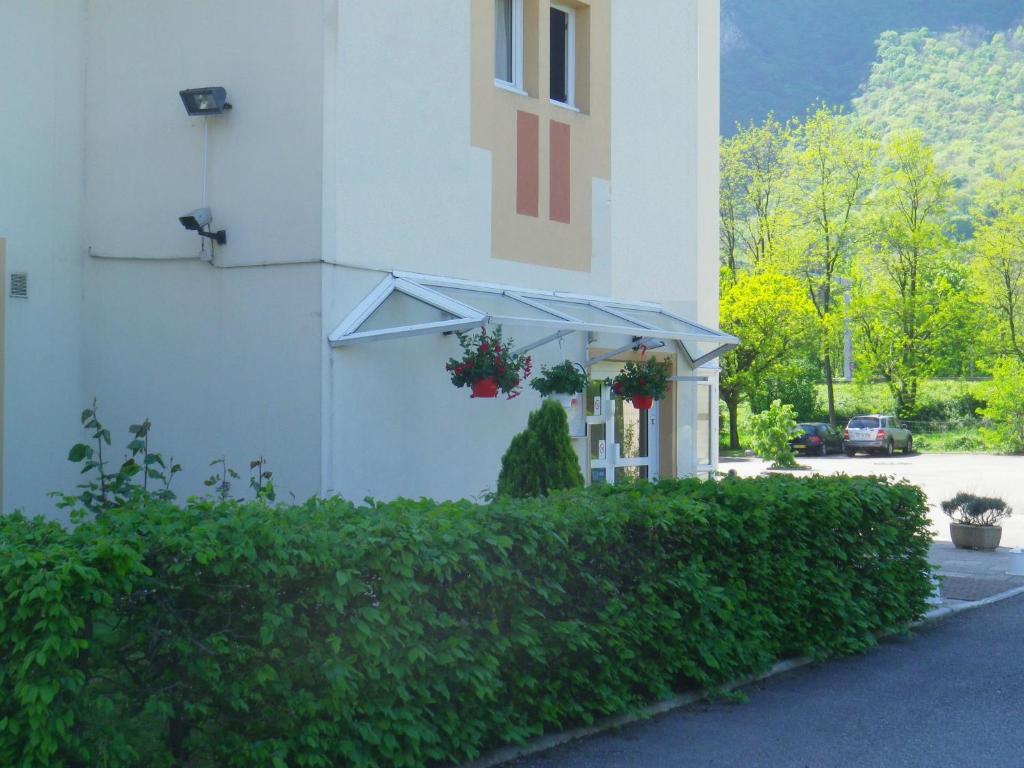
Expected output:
{"points": [[642, 383], [487, 365], [564, 382]]}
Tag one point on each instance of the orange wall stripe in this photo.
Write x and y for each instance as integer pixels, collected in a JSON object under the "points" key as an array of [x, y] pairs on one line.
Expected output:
{"points": [[527, 163], [560, 179]]}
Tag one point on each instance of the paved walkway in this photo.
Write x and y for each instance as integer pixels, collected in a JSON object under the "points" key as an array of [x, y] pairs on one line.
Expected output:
{"points": [[950, 695], [940, 475]]}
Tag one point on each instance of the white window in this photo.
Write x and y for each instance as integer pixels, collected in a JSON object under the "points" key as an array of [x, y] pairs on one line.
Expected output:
{"points": [[563, 55], [508, 44]]}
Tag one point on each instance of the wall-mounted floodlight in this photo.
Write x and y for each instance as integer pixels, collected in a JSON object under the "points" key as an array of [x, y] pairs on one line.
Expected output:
{"points": [[198, 221], [202, 102]]}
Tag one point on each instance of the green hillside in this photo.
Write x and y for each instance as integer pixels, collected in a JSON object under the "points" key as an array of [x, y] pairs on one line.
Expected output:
{"points": [[783, 55], [963, 90]]}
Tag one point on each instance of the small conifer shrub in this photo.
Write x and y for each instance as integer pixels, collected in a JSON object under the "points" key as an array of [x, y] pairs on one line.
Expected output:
{"points": [[541, 458]]}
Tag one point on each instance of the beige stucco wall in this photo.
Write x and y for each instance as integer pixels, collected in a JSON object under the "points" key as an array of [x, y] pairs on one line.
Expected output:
{"points": [[538, 239]]}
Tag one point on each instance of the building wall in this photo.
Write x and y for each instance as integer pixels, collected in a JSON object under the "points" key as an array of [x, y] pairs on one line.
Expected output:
{"points": [[224, 358], [40, 216], [425, 182], [537, 145], [144, 154], [362, 140], [224, 363], [414, 183]]}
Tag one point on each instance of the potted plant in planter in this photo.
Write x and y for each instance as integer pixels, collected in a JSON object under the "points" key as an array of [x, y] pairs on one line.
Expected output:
{"points": [[642, 382], [488, 365], [974, 520], [564, 382]]}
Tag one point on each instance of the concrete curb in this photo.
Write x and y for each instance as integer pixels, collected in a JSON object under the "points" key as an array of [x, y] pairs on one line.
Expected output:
{"points": [[948, 610], [550, 741]]}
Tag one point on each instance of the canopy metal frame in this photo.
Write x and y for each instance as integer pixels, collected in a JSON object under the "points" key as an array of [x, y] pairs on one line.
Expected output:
{"points": [[559, 321]]}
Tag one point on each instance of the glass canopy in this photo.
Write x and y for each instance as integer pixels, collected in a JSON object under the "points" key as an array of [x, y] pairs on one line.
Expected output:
{"points": [[406, 304]]}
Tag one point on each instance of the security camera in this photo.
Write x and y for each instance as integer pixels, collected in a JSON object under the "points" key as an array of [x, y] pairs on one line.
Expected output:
{"points": [[195, 221], [198, 221]]}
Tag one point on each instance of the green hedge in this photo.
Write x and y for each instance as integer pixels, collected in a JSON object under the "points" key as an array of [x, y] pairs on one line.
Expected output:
{"points": [[416, 633]]}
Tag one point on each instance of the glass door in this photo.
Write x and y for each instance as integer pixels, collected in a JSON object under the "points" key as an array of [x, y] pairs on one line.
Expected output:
{"points": [[623, 440]]}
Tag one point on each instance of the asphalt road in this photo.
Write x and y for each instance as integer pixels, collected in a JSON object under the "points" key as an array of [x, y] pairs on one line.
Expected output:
{"points": [[951, 696], [940, 475]]}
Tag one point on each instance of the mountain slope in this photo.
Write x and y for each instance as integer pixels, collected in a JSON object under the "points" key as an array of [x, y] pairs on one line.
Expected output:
{"points": [[782, 55], [963, 90]]}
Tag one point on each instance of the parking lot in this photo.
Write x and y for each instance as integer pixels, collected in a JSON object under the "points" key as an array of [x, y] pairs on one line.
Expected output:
{"points": [[940, 475]]}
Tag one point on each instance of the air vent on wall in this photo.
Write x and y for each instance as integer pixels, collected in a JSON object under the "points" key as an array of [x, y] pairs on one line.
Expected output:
{"points": [[19, 285]]}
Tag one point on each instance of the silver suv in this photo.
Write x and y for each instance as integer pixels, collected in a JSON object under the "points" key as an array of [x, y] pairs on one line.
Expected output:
{"points": [[876, 434]]}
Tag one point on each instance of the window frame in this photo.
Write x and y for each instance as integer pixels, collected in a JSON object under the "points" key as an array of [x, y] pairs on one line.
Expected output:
{"points": [[570, 58], [516, 84]]}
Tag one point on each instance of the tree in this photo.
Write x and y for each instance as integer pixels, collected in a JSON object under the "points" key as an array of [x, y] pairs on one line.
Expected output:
{"points": [[775, 323], [541, 458], [901, 283], [998, 267], [1005, 409], [833, 171], [752, 209]]}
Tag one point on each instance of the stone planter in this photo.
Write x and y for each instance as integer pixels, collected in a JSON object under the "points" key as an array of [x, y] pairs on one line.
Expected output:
{"points": [[984, 537]]}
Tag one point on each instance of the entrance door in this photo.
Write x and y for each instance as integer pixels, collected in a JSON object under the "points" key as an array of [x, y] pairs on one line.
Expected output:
{"points": [[623, 440]]}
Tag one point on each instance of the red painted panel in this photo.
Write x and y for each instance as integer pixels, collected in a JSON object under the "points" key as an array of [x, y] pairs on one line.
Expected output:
{"points": [[527, 163], [560, 181]]}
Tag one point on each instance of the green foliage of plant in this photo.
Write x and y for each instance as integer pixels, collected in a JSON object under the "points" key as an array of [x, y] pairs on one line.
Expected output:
{"points": [[770, 433], [417, 633], [1005, 409], [968, 509], [941, 403], [102, 488], [953, 441], [488, 356], [566, 378], [776, 324], [540, 459], [796, 384], [647, 378]]}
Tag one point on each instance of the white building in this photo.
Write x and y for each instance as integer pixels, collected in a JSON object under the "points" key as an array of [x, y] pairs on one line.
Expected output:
{"points": [[520, 144]]}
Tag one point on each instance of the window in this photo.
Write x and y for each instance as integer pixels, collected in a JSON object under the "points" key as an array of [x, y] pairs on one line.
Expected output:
{"points": [[563, 55], [508, 43]]}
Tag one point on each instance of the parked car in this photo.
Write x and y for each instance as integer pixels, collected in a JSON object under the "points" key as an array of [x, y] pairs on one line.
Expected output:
{"points": [[818, 439], [877, 434]]}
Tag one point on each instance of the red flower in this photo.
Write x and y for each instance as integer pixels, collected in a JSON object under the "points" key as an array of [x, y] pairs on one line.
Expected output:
{"points": [[483, 348]]}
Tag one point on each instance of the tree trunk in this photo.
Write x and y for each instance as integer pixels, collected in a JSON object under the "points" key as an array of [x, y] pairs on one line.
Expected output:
{"points": [[732, 404], [829, 388]]}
